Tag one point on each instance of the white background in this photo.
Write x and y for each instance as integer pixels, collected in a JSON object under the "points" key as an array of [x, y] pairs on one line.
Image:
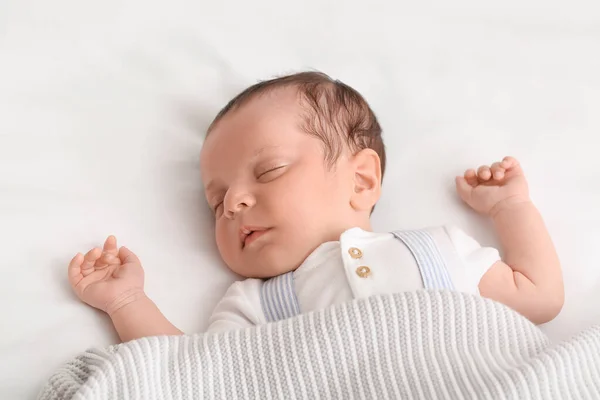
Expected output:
{"points": [[103, 106]]}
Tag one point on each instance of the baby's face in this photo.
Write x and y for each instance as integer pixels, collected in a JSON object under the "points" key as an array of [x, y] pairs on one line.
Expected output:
{"points": [[273, 196]]}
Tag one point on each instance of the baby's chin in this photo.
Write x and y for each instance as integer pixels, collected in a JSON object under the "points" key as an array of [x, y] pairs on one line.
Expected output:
{"points": [[267, 264]]}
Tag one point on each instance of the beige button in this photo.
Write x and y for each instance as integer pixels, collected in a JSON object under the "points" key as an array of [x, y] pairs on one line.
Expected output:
{"points": [[363, 271], [354, 252]]}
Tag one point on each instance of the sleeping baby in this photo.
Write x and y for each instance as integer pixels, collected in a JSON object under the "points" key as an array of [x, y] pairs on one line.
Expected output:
{"points": [[292, 169]]}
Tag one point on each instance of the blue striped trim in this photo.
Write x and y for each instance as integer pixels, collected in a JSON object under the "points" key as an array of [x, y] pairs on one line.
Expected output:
{"points": [[429, 259], [278, 298]]}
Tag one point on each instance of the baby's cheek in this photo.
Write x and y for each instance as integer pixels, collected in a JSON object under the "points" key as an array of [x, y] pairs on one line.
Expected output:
{"points": [[223, 244]]}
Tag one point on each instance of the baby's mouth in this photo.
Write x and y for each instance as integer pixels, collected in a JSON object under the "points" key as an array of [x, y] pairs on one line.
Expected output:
{"points": [[249, 234]]}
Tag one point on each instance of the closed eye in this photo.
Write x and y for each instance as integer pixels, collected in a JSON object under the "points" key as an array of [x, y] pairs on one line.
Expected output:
{"points": [[268, 172], [217, 206]]}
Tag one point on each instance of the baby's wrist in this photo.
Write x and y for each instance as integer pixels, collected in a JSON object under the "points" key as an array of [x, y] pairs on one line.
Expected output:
{"points": [[510, 204], [129, 297]]}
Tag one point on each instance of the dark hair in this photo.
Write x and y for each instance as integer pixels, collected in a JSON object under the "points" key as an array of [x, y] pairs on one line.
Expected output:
{"points": [[334, 113]]}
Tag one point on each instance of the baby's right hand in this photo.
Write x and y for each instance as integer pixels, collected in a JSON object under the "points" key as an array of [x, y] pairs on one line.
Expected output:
{"points": [[108, 278]]}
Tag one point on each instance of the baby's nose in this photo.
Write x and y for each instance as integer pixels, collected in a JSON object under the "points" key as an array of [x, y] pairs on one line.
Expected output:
{"points": [[239, 204]]}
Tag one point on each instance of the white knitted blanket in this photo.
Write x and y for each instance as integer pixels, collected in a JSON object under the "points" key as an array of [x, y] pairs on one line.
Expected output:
{"points": [[421, 345]]}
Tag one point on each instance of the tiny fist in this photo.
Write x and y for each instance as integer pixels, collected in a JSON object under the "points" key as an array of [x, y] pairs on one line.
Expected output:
{"points": [[108, 258], [485, 173], [509, 161]]}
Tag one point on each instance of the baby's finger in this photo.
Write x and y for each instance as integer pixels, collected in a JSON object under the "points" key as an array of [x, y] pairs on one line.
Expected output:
{"points": [[484, 173], [464, 188], [509, 162], [89, 260], [108, 259], [471, 177], [110, 246], [127, 256], [74, 271], [497, 171], [110, 253]]}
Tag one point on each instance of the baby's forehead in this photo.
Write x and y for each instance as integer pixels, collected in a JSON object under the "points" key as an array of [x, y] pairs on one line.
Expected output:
{"points": [[259, 114], [277, 100], [261, 121]]}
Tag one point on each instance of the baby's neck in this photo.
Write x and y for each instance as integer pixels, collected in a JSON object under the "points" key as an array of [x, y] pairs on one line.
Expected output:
{"points": [[343, 227]]}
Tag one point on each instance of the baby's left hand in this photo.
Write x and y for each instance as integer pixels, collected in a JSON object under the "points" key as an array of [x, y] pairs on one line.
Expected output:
{"points": [[491, 188]]}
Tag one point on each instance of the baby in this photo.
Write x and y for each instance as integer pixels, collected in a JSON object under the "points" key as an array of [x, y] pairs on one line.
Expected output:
{"points": [[292, 169]]}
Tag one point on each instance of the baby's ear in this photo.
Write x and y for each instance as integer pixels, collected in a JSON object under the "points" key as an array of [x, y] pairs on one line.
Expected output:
{"points": [[367, 180]]}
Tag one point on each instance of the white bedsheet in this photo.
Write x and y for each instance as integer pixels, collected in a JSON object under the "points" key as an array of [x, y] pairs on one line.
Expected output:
{"points": [[103, 107]]}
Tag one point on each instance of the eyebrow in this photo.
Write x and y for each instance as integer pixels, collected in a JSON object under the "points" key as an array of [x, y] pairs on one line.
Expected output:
{"points": [[212, 183], [264, 149]]}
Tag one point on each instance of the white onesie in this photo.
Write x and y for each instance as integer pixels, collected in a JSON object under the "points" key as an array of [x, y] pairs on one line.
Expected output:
{"points": [[360, 264]]}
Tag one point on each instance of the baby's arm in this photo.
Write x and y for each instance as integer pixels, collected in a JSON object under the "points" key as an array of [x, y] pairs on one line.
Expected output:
{"points": [[529, 279], [141, 318], [112, 280]]}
